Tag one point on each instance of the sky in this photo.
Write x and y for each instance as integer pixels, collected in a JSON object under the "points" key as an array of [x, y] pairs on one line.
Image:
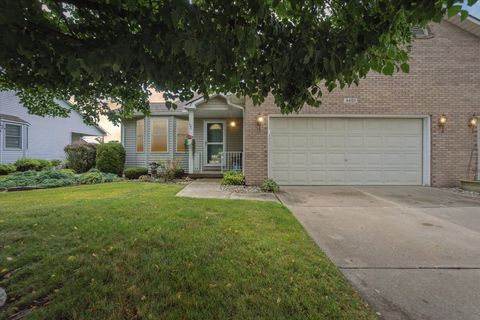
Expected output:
{"points": [[475, 10], [114, 132]]}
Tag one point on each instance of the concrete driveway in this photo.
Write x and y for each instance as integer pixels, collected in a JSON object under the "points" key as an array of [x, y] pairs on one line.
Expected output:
{"points": [[412, 252]]}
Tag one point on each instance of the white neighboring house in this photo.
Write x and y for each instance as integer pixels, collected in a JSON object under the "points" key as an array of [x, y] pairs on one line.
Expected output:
{"points": [[23, 135]]}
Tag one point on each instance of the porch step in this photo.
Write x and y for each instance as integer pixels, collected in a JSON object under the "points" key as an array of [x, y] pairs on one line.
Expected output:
{"points": [[206, 175]]}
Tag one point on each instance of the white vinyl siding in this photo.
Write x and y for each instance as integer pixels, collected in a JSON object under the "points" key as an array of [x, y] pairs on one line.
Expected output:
{"points": [[346, 151], [142, 159]]}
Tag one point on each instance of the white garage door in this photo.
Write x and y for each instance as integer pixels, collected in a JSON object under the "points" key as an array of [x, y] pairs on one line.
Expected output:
{"points": [[345, 151]]}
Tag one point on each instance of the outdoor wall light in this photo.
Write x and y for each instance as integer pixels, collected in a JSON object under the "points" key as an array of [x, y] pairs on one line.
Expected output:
{"points": [[260, 120], [233, 124], [473, 122], [442, 121]]}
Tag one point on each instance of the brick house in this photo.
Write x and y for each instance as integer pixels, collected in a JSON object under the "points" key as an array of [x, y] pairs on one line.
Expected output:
{"points": [[385, 131]]}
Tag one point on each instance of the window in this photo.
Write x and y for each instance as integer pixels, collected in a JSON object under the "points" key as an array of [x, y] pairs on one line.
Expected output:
{"points": [[140, 134], [159, 134], [182, 132], [13, 136]]}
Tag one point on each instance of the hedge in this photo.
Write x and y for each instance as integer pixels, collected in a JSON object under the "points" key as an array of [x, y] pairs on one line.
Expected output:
{"points": [[110, 158], [135, 172]]}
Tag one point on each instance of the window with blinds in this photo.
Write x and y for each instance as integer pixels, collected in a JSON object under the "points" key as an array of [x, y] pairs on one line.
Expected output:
{"points": [[13, 136]]}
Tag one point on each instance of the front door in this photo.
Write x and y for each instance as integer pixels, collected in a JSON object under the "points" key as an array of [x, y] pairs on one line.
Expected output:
{"points": [[214, 142]]}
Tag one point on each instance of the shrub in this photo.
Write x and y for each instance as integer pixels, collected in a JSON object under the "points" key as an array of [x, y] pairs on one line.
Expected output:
{"points": [[235, 178], [135, 172], [95, 176], [110, 158], [92, 177], [52, 178], [269, 185], [67, 171], [145, 178], [6, 169], [81, 156], [26, 164], [170, 169], [56, 163], [44, 165]]}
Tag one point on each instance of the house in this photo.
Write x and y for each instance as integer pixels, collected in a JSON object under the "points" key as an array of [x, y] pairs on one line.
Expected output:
{"points": [[23, 135], [407, 129]]}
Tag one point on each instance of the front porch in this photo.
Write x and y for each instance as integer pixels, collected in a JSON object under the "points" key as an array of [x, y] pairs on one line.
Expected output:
{"points": [[216, 128]]}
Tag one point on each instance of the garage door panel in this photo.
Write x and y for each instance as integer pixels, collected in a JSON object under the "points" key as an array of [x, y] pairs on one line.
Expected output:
{"points": [[299, 141], [280, 141], [336, 142], [354, 142], [299, 124], [317, 125], [299, 159], [335, 158], [315, 141], [317, 159], [336, 177], [279, 159], [329, 151]]}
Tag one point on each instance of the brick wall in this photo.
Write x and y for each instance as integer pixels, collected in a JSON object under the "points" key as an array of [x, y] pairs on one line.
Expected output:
{"points": [[444, 78]]}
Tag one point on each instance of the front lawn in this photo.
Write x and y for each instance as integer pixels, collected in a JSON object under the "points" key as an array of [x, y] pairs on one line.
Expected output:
{"points": [[135, 251]]}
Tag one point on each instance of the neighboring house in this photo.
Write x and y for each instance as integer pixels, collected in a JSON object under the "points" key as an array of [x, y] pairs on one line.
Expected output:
{"points": [[384, 132], [23, 135]]}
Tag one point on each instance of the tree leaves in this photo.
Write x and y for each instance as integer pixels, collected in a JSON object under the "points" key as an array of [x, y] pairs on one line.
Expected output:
{"points": [[105, 50]]}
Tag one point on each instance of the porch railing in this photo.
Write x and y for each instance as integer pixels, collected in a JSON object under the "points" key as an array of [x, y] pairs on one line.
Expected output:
{"points": [[198, 162], [232, 160]]}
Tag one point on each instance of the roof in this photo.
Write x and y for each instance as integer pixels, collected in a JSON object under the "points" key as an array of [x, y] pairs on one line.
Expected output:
{"points": [[470, 24], [98, 127], [8, 117]]}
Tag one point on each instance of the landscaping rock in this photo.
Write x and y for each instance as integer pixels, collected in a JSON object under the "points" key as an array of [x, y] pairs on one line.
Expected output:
{"points": [[464, 192], [241, 189], [3, 297]]}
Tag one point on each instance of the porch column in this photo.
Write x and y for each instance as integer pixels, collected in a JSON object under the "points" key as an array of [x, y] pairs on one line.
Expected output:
{"points": [[191, 118]]}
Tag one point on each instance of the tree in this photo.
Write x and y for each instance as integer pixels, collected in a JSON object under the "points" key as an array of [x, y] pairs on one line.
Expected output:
{"points": [[115, 50]]}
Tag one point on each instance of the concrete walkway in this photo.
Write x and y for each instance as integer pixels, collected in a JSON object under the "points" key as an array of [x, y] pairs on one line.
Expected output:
{"points": [[412, 252], [210, 189]]}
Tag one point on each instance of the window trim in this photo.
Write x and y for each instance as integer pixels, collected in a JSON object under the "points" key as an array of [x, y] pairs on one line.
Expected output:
{"points": [[20, 136], [176, 134], [167, 127], [136, 135]]}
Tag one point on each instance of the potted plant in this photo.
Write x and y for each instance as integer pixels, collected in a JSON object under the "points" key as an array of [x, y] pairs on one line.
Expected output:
{"points": [[189, 141]]}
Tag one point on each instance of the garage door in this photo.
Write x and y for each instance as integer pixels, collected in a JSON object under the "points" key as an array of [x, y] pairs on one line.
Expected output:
{"points": [[345, 151]]}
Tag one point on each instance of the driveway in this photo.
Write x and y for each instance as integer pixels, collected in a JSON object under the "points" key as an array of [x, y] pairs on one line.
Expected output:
{"points": [[412, 252]]}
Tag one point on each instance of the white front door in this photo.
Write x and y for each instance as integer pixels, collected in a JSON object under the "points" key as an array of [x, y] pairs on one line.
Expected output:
{"points": [[214, 134]]}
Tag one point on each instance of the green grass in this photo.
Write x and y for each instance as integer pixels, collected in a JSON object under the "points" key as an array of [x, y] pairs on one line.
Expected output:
{"points": [[135, 251]]}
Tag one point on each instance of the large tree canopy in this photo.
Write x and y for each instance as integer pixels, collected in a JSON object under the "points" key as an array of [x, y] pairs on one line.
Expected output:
{"points": [[101, 50]]}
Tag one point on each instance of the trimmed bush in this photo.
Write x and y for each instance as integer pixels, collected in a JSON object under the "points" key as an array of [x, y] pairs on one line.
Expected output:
{"points": [[56, 162], [110, 158], [235, 178], [44, 164], [81, 156], [6, 169], [95, 176], [26, 164], [269, 185], [135, 172]]}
